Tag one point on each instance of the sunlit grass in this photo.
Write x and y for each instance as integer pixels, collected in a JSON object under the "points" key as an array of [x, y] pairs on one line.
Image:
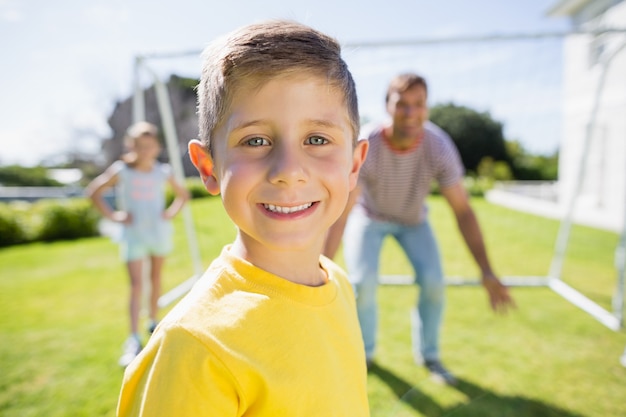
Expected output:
{"points": [[63, 320]]}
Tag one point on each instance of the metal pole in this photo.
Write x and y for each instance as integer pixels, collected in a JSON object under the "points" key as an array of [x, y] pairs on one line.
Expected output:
{"points": [[171, 139], [556, 267], [620, 265], [139, 105]]}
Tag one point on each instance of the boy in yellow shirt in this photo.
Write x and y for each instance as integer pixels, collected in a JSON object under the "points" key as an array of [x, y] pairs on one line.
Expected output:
{"points": [[271, 328]]}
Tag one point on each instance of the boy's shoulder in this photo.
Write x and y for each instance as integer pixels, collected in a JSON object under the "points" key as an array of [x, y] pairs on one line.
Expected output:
{"points": [[337, 275], [230, 280]]}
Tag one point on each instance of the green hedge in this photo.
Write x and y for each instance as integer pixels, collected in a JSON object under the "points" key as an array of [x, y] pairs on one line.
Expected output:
{"points": [[475, 186], [12, 230], [52, 219], [47, 220], [71, 219]]}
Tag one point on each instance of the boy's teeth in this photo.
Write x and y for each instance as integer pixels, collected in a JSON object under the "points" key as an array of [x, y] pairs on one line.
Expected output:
{"points": [[287, 210]]}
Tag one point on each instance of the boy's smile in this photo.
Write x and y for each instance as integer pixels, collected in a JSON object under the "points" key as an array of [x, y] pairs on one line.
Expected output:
{"points": [[284, 165], [287, 210]]}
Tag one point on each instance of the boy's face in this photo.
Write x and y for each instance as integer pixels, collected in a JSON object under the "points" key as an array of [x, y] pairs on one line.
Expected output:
{"points": [[284, 162]]}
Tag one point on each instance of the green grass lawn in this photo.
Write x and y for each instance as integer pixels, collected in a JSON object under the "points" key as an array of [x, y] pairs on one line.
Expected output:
{"points": [[63, 319]]}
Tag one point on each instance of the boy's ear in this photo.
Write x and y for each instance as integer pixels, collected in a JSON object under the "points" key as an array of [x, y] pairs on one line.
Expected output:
{"points": [[358, 157], [203, 162]]}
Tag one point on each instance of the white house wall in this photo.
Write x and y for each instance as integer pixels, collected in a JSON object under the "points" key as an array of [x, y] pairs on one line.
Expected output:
{"points": [[602, 198]]}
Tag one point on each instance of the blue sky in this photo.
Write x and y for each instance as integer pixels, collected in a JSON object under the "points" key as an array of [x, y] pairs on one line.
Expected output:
{"points": [[65, 63]]}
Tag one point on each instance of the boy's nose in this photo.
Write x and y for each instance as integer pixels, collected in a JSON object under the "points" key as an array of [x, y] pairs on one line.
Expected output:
{"points": [[287, 166]]}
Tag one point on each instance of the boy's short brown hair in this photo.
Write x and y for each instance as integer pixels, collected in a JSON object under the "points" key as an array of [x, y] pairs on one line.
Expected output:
{"points": [[255, 54]]}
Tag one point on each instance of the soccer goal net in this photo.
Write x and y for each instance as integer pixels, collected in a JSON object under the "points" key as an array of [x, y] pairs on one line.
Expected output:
{"points": [[553, 93]]}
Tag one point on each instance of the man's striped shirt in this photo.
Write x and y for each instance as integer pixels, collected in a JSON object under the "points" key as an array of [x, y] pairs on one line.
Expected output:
{"points": [[394, 184]]}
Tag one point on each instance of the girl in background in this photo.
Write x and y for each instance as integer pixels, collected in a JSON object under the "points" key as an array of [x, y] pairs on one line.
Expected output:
{"points": [[140, 182]]}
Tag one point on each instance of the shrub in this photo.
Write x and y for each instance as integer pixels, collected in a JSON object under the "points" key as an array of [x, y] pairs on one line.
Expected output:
{"points": [[475, 186], [194, 186], [68, 219], [496, 170], [478, 186], [11, 231], [53, 219]]}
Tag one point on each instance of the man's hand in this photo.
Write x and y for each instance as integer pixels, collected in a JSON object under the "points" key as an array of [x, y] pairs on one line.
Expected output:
{"points": [[499, 296]]}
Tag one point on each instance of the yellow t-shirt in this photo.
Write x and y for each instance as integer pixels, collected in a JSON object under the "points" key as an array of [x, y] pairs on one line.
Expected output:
{"points": [[245, 342]]}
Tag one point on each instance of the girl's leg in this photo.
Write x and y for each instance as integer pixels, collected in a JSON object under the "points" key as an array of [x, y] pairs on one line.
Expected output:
{"points": [[135, 274], [156, 266]]}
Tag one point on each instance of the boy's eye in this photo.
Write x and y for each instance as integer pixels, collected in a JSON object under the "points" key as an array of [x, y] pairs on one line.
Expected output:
{"points": [[317, 140], [257, 141]]}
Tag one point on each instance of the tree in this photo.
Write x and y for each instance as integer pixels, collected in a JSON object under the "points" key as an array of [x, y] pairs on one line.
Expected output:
{"points": [[532, 167], [476, 135], [18, 176]]}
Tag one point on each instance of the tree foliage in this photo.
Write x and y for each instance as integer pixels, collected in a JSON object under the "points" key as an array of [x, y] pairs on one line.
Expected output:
{"points": [[484, 149], [527, 166], [18, 176]]}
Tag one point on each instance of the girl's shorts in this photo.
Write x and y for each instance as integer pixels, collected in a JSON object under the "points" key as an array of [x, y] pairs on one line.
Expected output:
{"points": [[131, 249]]}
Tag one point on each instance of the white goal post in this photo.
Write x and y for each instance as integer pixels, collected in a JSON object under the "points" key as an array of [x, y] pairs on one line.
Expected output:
{"points": [[173, 149], [374, 63]]}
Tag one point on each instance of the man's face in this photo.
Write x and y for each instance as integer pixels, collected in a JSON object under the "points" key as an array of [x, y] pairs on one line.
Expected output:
{"points": [[409, 112]]}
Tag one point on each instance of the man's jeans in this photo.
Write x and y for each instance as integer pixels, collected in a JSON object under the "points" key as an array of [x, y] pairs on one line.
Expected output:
{"points": [[362, 242]]}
